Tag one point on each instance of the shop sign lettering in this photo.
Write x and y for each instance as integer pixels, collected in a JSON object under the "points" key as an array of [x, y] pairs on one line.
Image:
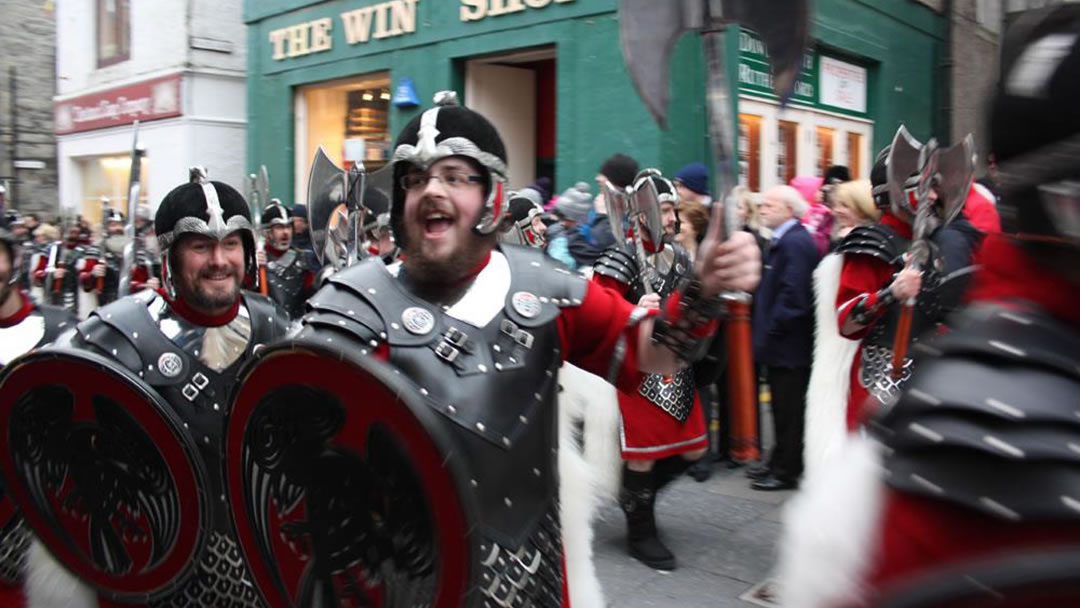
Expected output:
{"points": [[475, 10], [378, 21]]}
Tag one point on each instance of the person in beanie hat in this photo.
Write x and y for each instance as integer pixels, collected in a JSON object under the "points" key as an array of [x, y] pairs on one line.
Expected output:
{"points": [[478, 325], [692, 183], [619, 169], [187, 345], [965, 490]]}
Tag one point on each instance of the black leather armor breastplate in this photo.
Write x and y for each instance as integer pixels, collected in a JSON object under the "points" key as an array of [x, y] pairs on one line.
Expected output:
{"points": [[989, 422], [672, 394], [285, 276], [130, 331], [494, 385]]}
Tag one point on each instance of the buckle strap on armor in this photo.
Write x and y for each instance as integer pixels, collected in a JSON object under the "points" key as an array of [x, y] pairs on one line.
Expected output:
{"points": [[686, 333]]}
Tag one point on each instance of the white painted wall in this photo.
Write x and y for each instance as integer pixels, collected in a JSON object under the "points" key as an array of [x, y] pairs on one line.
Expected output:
{"points": [[507, 97]]}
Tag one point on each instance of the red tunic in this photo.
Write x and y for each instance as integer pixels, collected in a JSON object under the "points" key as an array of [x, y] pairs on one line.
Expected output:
{"points": [[648, 432], [916, 533], [862, 275]]}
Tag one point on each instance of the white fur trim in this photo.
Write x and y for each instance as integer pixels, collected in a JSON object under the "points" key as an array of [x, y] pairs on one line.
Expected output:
{"points": [[49, 585], [830, 377], [830, 530], [586, 473]]}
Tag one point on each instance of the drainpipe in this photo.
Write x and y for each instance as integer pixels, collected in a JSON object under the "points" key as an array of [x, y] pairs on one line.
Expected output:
{"points": [[947, 73]]}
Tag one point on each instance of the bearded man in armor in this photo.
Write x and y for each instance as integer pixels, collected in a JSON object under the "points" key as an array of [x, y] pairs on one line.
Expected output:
{"points": [[183, 348], [24, 326], [663, 424], [477, 331], [290, 281], [875, 280], [99, 268], [967, 492]]}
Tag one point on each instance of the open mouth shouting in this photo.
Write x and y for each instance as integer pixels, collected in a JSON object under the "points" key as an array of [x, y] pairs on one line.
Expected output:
{"points": [[437, 224]]}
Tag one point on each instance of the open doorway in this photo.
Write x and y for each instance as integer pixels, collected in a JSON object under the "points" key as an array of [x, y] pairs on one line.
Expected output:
{"points": [[516, 91]]}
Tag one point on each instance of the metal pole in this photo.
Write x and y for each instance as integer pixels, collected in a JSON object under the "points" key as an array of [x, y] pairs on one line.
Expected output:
{"points": [[14, 197]]}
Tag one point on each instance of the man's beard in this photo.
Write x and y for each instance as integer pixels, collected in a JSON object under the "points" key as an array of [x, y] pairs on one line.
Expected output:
{"points": [[114, 243], [203, 300], [452, 270]]}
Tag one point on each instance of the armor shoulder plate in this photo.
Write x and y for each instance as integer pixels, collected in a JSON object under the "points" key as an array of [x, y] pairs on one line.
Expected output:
{"points": [[269, 321], [876, 240], [617, 264], [989, 420], [57, 321], [110, 330], [348, 301]]}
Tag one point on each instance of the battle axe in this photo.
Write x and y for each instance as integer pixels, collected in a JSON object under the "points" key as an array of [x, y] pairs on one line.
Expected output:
{"points": [[648, 31]]}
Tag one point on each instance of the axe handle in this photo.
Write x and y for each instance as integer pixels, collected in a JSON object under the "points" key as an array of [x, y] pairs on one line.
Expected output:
{"points": [[741, 381], [263, 287], [100, 286], [902, 338], [56, 283]]}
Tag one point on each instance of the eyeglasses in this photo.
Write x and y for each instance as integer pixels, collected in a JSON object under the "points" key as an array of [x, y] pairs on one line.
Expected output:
{"points": [[453, 181]]}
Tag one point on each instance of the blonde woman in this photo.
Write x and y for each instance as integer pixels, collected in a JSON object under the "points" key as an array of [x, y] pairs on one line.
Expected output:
{"points": [[853, 205]]}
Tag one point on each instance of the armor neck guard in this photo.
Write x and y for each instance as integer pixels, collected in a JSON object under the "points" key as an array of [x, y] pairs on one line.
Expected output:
{"points": [[23, 312], [216, 346], [197, 318]]}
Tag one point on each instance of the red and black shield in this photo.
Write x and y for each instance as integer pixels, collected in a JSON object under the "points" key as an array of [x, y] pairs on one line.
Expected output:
{"points": [[102, 470], [343, 485]]}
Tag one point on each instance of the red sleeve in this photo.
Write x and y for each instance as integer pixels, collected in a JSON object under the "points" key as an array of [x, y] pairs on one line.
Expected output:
{"points": [[85, 278], [589, 333], [861, 275], [980, 210], [611, 283], [139, 277]]}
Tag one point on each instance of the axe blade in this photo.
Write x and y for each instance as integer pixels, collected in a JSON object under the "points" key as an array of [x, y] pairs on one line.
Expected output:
{"points": [[902, 162], [649, 29], [956, 169]]}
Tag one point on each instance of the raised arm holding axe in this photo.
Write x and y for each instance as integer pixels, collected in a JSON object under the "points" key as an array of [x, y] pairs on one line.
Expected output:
{"points": [[647, 32]]}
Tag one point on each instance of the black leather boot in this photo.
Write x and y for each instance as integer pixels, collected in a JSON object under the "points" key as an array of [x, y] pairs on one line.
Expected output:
{"points": [[638, 501]]}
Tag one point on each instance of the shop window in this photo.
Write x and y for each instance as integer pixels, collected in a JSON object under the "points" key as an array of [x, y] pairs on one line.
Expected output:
{"points": [[750, 151], [824, 149], [113, 31], [350, 120], [108, 177], [787, 160], [854, 151]]}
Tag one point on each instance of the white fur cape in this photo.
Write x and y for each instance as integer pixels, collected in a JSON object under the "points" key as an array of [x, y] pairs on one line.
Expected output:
{"points": [[830, 530], [827, 393], [587, 474]]}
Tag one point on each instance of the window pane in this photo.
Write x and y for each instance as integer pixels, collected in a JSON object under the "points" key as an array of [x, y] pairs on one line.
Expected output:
{"points": [[349, 119], [824, 149], [854, 147], [786, 151], [750, 151]]}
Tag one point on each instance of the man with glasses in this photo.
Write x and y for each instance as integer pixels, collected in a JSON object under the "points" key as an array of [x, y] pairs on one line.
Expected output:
{"points": [[482, 329]]}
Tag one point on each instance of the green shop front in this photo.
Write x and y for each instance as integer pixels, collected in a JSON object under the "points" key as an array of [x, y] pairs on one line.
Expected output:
{"points": [[348, 74]]}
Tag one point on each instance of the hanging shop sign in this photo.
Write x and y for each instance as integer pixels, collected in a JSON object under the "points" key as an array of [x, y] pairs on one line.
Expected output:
{"points": [[143, 101]]}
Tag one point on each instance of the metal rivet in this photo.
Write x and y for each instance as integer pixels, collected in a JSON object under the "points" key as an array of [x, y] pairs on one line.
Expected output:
{"points": [[351, 313], [536, 471], [185, 425], [196, 352], [341, 322], [206, 439], [222, 498], [114, 351], [544, 299], [382, 334], [513, 360], [371, 290], [523, 419], [497, 348], [498, 367], [537, 396], [150, 367], [508, 502], [451, 409], [480, 426], [424, 391], [374, 344], [473, 483], [217, 407], [506, 441], [328, 340], [363, 351], [135, 335], [482, 368], [535, 264], [395, 326]]}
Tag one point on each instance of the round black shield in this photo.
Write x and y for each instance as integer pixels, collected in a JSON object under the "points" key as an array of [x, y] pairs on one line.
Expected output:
{"points": [[343, 487], [100, 467]]}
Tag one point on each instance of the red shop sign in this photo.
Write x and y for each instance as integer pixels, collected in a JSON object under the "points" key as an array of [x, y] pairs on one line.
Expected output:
{"points": [[143, 101]]}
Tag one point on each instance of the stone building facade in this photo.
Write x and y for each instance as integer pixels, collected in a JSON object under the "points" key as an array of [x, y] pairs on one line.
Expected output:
{"points": [[27, 85]]}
